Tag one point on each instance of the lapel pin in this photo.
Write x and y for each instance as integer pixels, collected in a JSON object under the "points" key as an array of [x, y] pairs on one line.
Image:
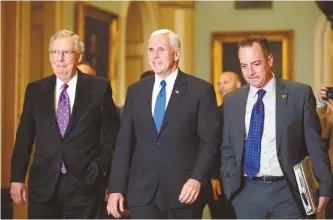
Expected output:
{"points": [[284, 96], [177, 91]]}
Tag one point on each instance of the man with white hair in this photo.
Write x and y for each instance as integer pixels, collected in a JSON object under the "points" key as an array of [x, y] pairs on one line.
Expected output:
{"points": [[167, 142], [73, 120]]}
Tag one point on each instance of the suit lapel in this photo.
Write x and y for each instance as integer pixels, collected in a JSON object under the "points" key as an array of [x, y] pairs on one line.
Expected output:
{"points": [[49, 90], [148, 92], [82, 96], [240, 119], [176, 95], [281, 106]]}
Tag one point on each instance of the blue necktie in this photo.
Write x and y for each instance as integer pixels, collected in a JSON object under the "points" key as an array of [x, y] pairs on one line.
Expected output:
{"points": [[160, 106], [253, 142]]}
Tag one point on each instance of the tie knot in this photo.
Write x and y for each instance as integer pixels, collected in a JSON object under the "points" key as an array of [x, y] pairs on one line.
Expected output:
{"points": [[261, 93], [64, 87], [163, 83]]}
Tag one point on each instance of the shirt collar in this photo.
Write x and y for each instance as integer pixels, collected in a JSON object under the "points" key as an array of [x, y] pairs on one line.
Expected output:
{"points": [[269, 88], [70, 84], [169, 80]]}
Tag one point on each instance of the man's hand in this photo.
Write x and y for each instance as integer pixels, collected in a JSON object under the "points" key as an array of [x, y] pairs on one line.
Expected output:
{"points": [[322, 93], [18, 192], [322, 97], [190, 191], [322, 203], [115, 203], [329, 103], [217, 190]]}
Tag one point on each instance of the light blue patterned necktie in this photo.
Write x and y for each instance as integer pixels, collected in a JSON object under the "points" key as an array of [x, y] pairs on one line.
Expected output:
{"points": [[160, 106], [63, 114], [253, 142]]}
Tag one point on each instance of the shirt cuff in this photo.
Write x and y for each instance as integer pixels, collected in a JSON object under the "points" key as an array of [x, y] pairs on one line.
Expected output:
{"points": [[321, 104]]}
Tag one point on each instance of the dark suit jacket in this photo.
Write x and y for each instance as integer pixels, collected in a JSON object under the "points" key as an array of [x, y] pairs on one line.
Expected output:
{"points": [[297, 135], [86, 147], [184, 148], [216, 174]]}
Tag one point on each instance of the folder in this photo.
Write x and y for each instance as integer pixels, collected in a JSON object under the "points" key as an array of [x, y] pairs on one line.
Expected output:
{"points": [[306, 185]]}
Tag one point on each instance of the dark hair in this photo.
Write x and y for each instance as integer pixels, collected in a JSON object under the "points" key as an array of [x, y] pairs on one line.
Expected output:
{"points": [[146, 74], [263, 43]]}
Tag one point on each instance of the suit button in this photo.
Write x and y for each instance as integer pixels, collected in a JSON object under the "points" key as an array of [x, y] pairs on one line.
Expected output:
{"points": [[279, 158], [158, 144]]}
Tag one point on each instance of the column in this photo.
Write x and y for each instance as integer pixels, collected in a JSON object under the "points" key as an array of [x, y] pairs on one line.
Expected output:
{"points": [[178, 16]]}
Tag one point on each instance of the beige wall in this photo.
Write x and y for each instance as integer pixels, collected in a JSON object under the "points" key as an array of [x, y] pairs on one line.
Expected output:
{"points": [[69, 8], [221, 16], [330, 59], [117, 7]]}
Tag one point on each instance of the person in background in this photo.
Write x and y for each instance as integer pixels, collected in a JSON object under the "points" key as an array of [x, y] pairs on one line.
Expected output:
{"points": [[325, 111], [219, 206], [270, 125], [87, 68], [167, 141], [146, 74], [228, 82], [72, 119]]}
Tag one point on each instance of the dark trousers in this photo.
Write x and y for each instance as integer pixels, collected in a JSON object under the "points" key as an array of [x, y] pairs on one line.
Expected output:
{"points": [[263, 200], [68, 201], [155, 210], [329, 207], [221, 208]]}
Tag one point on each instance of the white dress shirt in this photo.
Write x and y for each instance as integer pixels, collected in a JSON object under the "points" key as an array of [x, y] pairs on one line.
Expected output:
{"points": [[70, 91], [170, 82], [269, 164]]}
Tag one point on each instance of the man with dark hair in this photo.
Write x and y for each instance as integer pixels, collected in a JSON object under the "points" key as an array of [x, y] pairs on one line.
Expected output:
{"points": [[270, 125], [219, 206], [147, 74], [325, 112]]}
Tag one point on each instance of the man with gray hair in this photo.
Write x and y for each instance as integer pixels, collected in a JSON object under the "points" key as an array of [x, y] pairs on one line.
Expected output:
{"points": [[167, 142], [73, 120]]}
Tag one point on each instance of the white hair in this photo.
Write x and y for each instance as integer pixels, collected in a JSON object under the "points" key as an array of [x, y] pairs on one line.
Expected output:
{"points": [[79, 46], [174, 39]]}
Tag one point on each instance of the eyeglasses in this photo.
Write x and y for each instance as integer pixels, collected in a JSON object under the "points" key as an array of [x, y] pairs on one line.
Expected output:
{"points": [[64, 53]]}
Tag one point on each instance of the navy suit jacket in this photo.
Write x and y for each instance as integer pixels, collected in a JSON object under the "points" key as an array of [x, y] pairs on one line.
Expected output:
{"points": [[184, 148]]}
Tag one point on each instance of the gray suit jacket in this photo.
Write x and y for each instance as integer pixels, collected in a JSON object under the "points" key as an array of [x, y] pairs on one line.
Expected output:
{"points": [[297, 135]]}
